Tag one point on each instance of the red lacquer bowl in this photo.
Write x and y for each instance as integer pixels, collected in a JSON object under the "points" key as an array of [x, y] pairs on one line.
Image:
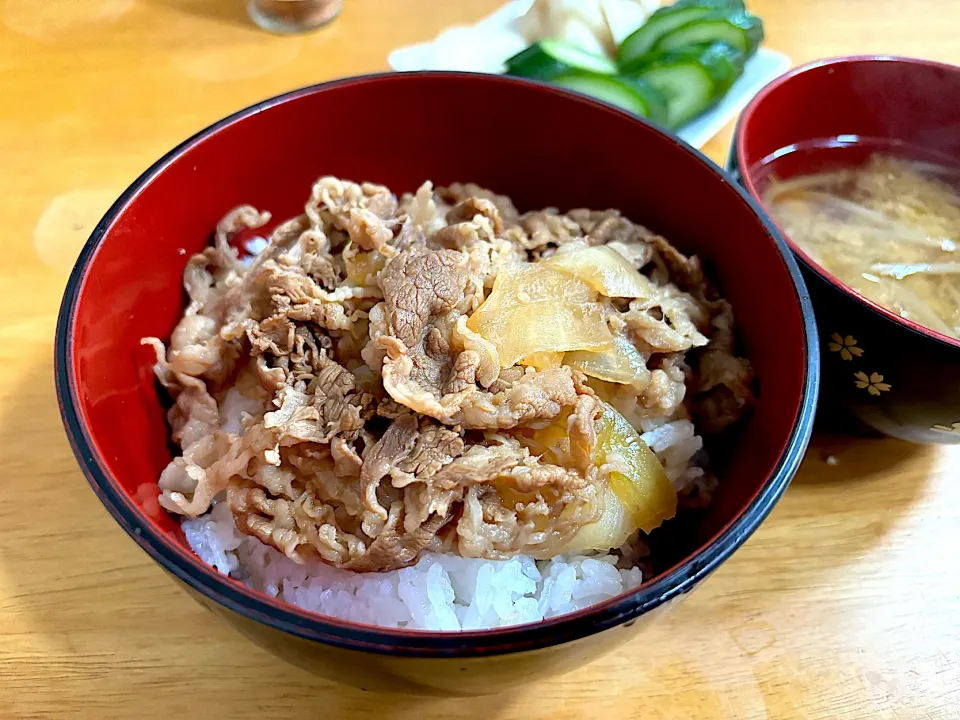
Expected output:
{"points": [[898, 377], [542, 146]]}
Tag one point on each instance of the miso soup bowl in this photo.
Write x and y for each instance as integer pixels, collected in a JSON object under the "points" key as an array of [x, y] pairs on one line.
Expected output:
{"points": [[542, 146], [897, 377]]}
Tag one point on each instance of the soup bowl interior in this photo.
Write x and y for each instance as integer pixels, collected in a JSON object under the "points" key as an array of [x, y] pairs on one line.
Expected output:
{"points": [[540, 146], [904, 106]]}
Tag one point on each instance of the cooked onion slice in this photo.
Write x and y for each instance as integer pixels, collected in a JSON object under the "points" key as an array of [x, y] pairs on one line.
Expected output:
{"points": [[622, 364], [898, 271], [639, 494], [603, 269], [537, 309], [543, 360]]}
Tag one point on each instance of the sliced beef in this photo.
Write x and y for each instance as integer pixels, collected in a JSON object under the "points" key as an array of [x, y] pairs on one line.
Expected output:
{"points": [[459, 192], [364, 211], [724, 385], [330, 391], [423, 297]]}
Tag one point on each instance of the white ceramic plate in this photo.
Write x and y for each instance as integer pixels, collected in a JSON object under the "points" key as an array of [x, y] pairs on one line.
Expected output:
{"points": [[484, 47]]}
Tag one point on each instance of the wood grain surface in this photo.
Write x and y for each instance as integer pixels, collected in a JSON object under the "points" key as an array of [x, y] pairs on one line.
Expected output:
{"points": [[845, 604]]}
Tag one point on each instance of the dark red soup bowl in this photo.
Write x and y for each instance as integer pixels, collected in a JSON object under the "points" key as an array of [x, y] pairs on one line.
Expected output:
{"points": [[899, 378], [543, 147]]}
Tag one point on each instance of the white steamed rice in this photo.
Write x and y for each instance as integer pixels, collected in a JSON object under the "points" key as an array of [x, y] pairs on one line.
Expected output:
{"points": [[440, 592]]}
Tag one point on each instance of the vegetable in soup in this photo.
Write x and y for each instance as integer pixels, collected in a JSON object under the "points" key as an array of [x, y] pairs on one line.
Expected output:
{"points": [[889, 228]]}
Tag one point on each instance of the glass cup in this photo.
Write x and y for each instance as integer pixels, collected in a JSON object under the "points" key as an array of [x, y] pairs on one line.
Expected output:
{"points": [[293, 16]]}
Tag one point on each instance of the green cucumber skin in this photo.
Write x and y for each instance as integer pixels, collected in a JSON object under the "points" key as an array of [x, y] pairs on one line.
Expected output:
{"points": [[719, 57], [654, 36], [540, 62], [646, 101], [534, 63], [710, 53], [723, 62], [719, 64], [681, 107], [640, 41], [656, 102], [667, 19], [744, 29]]}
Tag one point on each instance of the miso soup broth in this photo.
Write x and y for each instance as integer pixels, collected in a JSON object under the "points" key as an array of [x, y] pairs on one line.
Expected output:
{"points": [[882, 217]]}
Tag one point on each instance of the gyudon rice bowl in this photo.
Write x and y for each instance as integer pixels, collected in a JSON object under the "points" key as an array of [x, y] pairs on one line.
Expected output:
{"points": [[435, 412]]}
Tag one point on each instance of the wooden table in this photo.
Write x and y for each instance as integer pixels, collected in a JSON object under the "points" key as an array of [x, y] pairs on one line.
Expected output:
{"points": [[845, 604]]}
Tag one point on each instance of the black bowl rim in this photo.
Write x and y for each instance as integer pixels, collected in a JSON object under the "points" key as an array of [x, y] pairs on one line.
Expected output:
{"points": [[733, 167], [312, 626]]}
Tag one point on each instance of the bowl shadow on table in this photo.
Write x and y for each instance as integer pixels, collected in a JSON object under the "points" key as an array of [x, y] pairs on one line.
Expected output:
{"points": [[865, 460], [58, 562], [844, 450], [851, 493]]}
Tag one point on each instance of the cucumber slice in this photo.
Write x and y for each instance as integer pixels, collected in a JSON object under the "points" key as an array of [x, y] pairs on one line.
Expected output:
{"points": [[639, 43], [723, 62], [740, 30], [548, 58], [633, 94], [692, 79], [667, 19]]}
